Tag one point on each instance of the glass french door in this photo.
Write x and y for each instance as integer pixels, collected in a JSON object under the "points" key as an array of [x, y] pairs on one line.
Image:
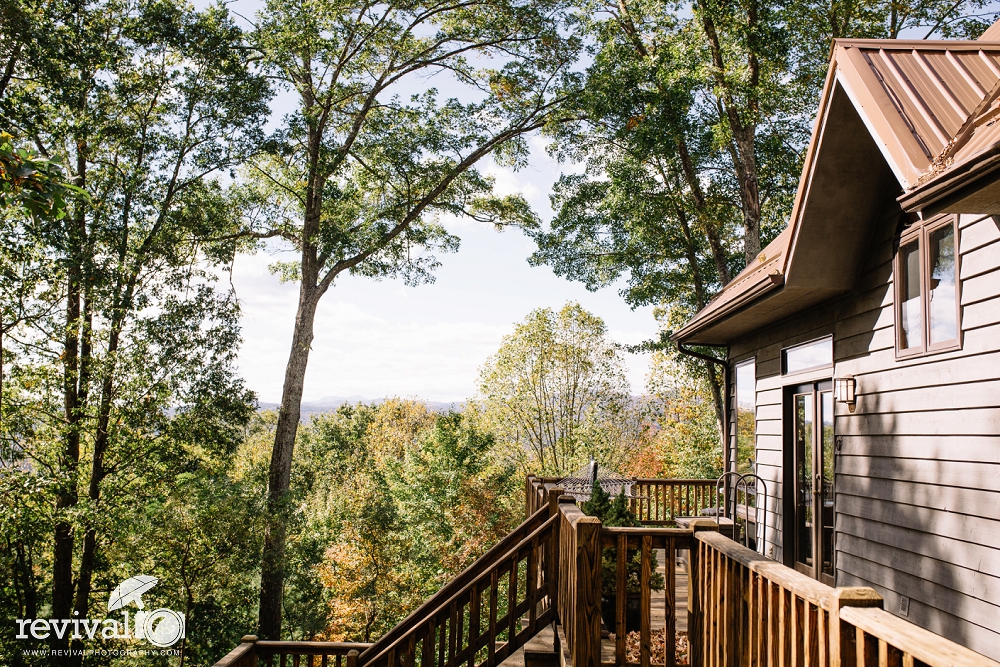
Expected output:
{"points": [[811, 468]]}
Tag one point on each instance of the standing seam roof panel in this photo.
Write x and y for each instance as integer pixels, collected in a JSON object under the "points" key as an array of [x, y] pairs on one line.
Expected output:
{"points": [[910, 85], [930, 95], [902, 98], [934, 91], [962, 84]]}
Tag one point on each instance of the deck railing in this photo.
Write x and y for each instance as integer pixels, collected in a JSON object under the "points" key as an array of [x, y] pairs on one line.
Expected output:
{"points": [[259, 653], [744, 610], [620, 544], [655, 502], [754, 611], [660, 501], [465, 629]]}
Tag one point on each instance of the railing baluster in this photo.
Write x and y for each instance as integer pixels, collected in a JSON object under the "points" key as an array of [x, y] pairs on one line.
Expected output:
{"points": [[621, 597], [512, 601], [442, 622], [795, 631], [474, 625], [492, 637], [454, 630], [670, 600], [531, 587], [644, 626]]}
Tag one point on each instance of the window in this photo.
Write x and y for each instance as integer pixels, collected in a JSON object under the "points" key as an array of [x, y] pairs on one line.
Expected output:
{"points": [[807, 356], [927, 310], [746, 416]]}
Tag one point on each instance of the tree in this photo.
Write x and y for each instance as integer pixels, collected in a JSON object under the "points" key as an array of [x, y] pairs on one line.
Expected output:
{"points": [[686, 443], [146, 102], [691, 127], [555, 383], [357, 179], [392, 501]]}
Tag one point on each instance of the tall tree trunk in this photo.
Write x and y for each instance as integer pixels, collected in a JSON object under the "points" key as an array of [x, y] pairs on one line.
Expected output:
{"points": [[272, 566], [63, 543], [88, 557], [9, 68], [701, 298], [704, 216], [742, 125]]}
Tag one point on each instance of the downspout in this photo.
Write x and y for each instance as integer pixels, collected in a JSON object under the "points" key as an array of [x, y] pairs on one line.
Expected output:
{"points": [[726, 445]]}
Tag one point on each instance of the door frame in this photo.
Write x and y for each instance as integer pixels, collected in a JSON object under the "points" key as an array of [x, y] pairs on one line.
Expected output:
{"points": [[788, 477]]}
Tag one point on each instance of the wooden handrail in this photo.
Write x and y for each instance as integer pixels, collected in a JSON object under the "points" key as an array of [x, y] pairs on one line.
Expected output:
{"points": [[803, 586], [242, 655], [482, 564], [755, 610], [878, 632], [279, 647], [535, 537]]}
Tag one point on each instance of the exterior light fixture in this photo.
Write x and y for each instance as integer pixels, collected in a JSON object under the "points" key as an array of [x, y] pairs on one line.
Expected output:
{"points": [[845, 388]]}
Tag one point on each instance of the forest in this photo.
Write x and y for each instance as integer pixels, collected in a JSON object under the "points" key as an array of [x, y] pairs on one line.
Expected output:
{"points": [[141, 153]]}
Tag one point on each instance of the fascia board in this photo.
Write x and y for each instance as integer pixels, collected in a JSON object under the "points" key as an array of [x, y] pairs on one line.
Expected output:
{"points": [[876, 109]]}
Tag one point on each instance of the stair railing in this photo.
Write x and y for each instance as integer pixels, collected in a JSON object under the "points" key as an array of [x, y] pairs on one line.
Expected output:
{"points": [[490, 610]]}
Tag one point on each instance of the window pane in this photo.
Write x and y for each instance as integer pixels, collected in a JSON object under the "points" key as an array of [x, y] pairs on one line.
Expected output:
{"points": [[810, 355], [804, 470], [910, 316], [825, 510], [746, 408], [942, 288]]}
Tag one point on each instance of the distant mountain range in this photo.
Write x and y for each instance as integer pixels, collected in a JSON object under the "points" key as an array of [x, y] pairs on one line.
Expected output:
{"points": [[331, 403]]}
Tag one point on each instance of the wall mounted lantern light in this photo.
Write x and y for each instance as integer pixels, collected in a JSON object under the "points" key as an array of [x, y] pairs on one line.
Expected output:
{"points": [[845, 389]]}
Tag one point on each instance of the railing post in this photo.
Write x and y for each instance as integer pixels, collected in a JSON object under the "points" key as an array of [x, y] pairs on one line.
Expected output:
{"points": [[552, 553], [587, 649], [843, 642], [696, 620], [250, 660], [529, 495]]}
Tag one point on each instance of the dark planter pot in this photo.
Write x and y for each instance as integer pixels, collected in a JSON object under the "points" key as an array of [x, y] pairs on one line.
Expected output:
{"points": [[633, 612]]}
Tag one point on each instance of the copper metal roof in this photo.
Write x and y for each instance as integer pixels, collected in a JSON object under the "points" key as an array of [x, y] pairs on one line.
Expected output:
{"points": [[916, 97]]}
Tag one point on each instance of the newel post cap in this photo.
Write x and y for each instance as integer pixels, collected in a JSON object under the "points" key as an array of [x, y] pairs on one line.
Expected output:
{"points": [[700, 525], [856, 596], [249, 639]]}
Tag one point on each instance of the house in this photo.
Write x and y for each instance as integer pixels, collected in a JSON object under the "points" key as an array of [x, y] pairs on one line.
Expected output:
{"points": [[865, 339]]}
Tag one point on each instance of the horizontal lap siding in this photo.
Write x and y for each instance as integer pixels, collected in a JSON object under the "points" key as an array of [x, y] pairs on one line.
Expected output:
{"points": [[918, 473]]}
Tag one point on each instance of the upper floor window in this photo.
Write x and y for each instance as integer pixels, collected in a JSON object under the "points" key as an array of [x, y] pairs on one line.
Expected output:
{"points": [[807, 356], [927, 310]]}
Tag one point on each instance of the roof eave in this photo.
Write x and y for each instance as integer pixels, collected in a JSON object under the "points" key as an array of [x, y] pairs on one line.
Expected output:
{"points": [[771, 282]]}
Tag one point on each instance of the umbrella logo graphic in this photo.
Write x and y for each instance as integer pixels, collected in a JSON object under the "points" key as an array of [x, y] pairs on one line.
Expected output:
{"points": [[131, 590], [160, 627]]}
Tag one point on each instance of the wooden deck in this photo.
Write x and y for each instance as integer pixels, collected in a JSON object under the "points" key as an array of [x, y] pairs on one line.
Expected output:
{"points": [[543, 641], [737, 606]]}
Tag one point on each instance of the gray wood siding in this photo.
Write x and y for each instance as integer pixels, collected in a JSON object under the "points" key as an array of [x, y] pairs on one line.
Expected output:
{"points": [[918, 471]]}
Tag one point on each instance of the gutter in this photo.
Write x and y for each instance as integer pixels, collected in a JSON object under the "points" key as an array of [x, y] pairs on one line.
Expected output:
{"points": [[725, 397]]}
